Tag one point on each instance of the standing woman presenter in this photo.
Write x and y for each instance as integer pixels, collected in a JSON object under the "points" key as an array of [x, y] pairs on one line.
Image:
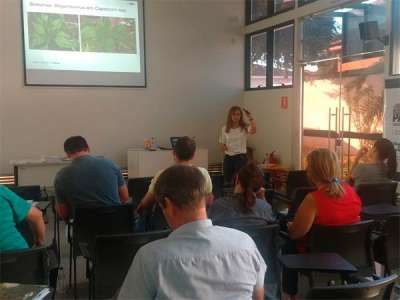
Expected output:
{"points": [[233, 141]]}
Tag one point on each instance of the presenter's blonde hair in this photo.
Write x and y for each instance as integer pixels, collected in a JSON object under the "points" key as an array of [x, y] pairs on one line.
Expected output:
{"points": [[229, 123]]}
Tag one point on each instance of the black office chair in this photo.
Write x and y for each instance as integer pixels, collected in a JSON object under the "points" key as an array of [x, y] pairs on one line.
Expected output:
{"points": [[296, 179], [377, 193], [266, 237], [352, 242], [89, 222], [137, 188], [299, 195], [387, 246], [26, 266], [113, 256], [375, 290], [217, 185], [29, 192]]}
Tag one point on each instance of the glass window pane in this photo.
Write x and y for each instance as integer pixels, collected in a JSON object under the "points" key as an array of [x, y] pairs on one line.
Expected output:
{"points": [[304, 2], [353, 16], [259, 9], [322, 36], [258, 60], [283, 56], [281, 5]]}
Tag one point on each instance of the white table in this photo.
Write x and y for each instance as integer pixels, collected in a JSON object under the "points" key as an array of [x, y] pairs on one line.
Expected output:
{"points": [[37, 172], [145, 163]]}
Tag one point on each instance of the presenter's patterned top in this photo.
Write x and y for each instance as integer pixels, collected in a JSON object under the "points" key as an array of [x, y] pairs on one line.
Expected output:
{"points": [[235, 140], [197, 261]]}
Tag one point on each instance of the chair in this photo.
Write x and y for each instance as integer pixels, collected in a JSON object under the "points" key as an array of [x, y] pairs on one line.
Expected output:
{"points": [[387, 246], [299, 195], [265, 236], [376, 290], [296, 179], [92, 221], [352, 242], [137, 188], [217, 185], [29, 192], [377, 193], [113, 256], [26, 266]]}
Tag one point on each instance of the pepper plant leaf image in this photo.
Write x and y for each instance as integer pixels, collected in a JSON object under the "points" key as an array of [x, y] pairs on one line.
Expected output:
{"points": [[109, 35], [53, 32]]}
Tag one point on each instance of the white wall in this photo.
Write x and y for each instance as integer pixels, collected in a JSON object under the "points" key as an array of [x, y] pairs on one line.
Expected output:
{"points": [[274, 123], [195, 71]]}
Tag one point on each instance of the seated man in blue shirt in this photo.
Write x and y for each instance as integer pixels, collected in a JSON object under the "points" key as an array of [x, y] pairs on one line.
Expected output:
{"points": [[88, 180], [198, 260]]}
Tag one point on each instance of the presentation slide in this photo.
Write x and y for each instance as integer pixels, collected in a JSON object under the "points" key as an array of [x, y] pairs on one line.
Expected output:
{"points": [[84, 42]]}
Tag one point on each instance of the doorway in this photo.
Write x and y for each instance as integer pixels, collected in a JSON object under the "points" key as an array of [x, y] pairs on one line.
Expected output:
{"points": [[342, 82]]}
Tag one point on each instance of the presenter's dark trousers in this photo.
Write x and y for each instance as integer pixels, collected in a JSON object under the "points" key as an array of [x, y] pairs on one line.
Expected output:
{"points": [[232, 164]]}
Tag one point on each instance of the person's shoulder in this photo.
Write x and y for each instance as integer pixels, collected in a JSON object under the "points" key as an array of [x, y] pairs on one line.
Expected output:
{"points": [[232, 236]]}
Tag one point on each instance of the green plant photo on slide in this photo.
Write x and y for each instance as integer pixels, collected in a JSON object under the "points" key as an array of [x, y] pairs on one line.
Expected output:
{"points": [[109, 35], [53, 32]]}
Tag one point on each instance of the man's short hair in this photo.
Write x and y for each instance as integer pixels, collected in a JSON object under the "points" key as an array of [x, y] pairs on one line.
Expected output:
{"points": [[75, 144], [183, 185], [185, 148]]}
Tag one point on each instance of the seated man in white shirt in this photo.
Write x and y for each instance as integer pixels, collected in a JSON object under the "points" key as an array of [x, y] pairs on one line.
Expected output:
{"points": [[184, 151], [198, 260]]}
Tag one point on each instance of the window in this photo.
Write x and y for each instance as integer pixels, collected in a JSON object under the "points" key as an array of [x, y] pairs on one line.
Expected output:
{"points": [[283, 5], [269, 57], [396, 38], [258, 60], [304, 2], [283, 56], [260, 9]]}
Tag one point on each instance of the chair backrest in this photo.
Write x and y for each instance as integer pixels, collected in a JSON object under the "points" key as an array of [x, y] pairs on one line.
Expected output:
{"points": [[374, 290], [29, 192], [351, 241], [296, 179], [265, 236], [298, 196], [113, 256], [391, 230], [26, 266], [217, 185], [92, 221], [138, 187], [377, 193]]}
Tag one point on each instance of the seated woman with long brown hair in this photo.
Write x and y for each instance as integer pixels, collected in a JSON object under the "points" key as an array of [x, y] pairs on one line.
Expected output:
{"points": [[333, 203], [246, 200]]}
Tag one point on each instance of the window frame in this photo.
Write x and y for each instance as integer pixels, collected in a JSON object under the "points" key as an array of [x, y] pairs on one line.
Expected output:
{"points": [[395, 21], [270, 11], [269, 72]]}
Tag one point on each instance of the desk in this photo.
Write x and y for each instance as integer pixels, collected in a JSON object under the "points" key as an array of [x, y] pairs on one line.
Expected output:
{"points": [[379, 211], [37, 172], [12, 291], [145, 163]]}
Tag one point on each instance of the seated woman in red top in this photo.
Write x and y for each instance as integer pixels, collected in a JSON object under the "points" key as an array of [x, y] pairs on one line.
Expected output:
{"points": [[334, 202]]}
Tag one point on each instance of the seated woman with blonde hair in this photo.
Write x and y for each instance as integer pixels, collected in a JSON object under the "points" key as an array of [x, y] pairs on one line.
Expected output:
{"points": [[333, 203]]}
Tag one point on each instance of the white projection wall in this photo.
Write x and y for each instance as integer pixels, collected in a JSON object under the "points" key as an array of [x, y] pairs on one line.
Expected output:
{"points": [[84, 42]]}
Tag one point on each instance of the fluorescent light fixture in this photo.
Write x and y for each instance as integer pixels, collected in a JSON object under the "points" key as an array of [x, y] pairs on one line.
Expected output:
{"points": [[343, 10]]}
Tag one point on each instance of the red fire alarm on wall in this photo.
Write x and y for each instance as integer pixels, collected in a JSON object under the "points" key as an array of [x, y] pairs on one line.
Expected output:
{"points": [[284, 102]]}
